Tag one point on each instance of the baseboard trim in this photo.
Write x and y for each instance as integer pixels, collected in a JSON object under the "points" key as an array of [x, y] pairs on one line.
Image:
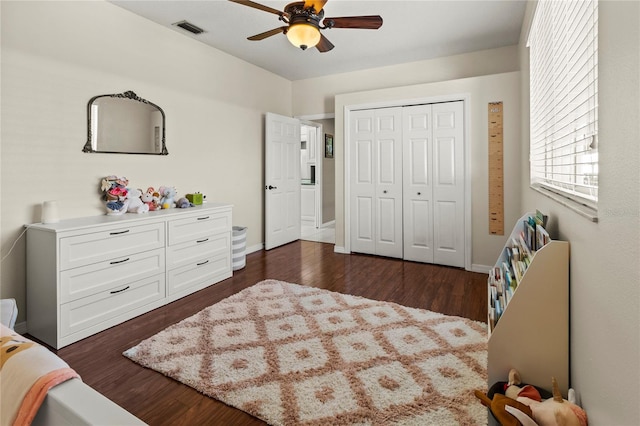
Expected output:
{"points": [[483, 269], [255, 248], [340, 249]]}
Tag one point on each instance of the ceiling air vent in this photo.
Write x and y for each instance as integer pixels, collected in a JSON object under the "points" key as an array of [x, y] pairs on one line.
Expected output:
{"points": [[188, 26]]}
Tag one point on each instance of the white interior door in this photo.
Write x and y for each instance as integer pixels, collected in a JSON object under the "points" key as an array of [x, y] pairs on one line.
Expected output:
{"points": [[407, 198], [376, 181], [361, 137], [389, 182], [282, 180], [417, 194], [448, 183]]}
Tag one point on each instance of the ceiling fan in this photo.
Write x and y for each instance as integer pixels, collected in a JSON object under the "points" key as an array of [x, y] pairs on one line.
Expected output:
{"points": [[304, 21]]}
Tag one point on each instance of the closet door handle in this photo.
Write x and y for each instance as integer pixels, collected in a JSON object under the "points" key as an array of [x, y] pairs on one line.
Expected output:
{"points": [[118, 233], [115, 262], [120, 291]]}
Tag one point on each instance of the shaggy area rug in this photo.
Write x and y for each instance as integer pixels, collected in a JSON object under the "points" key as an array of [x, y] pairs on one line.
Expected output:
{"points": [[295, 355]]}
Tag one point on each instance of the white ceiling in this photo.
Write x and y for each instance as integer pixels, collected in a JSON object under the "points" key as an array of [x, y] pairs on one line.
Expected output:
{"points": [[412, 30]]}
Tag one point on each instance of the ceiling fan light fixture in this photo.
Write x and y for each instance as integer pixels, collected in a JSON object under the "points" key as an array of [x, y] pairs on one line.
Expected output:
{"points": [[303, 35]]}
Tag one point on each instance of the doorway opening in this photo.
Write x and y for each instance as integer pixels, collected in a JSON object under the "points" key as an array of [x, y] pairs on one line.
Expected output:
{"points": [[317, 174], [321, 227]]}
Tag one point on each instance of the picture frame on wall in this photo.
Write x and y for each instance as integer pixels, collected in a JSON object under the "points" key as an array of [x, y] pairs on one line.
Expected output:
{"points": [[328, 145]]}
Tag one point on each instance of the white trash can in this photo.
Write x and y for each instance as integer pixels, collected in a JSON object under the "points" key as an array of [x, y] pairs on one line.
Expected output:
{"points": [[238, 247]]}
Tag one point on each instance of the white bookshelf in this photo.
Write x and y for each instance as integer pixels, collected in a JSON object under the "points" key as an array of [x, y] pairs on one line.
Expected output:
{"points": [[532, 335]]}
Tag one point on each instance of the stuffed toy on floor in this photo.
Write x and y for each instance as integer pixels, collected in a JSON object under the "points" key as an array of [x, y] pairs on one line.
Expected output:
{"points": [[524, 405]]}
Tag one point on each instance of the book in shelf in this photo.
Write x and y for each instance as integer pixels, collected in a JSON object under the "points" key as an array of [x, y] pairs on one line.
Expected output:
{"points": [[512, 265]]}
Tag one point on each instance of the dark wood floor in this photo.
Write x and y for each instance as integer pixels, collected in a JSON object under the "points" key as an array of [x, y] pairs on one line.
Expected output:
{"points": [[158, 400]]}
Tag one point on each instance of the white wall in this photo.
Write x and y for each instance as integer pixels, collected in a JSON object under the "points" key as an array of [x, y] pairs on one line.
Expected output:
{"points": [[605, 273], [328, 176], [316, 95], [481, 91], [57, 55]]}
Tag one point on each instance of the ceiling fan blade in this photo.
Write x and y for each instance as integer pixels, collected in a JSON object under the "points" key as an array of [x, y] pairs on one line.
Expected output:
{"points": [[266, 34], [317, 4], [258, 6], [366, 22], [324, 45]]}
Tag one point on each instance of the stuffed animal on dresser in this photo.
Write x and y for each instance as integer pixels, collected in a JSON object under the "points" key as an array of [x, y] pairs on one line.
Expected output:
{"points": [[115, 194], [168, 195], [135, 202], [148, 199]]}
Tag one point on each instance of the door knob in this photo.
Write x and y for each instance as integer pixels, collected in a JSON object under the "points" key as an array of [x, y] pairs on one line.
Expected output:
{"points": [[419, 193], [384, 192], [270, 187]]}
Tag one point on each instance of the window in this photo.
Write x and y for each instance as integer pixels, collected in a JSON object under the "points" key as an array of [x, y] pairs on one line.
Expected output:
{"points": [[563, 53]]}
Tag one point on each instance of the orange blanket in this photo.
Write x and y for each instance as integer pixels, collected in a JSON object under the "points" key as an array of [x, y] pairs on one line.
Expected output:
{"points": [[27, 371]]}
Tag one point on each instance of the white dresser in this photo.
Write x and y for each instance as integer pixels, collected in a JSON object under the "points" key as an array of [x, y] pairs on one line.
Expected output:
{"points": [[88, 274]]}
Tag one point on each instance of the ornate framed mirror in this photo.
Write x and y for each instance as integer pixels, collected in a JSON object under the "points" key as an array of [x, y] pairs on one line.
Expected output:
{"points": [[125, 123]]}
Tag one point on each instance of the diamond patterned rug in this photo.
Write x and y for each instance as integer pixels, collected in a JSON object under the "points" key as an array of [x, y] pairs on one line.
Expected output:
{"points": [[295, 355]]}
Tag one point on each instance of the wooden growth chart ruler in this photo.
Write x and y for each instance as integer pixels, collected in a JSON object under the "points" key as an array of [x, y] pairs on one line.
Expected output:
{"points": [[496, 170]]}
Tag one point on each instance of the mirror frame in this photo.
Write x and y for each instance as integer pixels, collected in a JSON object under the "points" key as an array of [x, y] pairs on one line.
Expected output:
{"points": [[128, 95]]}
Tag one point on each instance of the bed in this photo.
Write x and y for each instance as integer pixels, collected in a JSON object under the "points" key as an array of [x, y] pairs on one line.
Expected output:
{"points": [[39, 388]]}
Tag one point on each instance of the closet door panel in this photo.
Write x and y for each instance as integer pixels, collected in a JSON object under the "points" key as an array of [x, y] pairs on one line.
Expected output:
{"points": [[388, 188], [447, 231], [389, 235], [419, 236], [418, 174], [362, 182], [364, 162], [387, 162], [417, 182], [448, 186], [364, 231], [445, 169]]}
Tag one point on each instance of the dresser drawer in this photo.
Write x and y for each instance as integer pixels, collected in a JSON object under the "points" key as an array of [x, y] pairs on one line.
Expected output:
{"points": [[192, 252], [80, 250], [207, 271], [101, 307], [98, 277], [195, 228]]}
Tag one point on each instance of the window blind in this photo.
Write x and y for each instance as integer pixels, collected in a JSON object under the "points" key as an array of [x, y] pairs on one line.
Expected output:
{"points": [[563, 53]]}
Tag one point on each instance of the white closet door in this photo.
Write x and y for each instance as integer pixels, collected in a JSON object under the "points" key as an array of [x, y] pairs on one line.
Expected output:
{"points": [[407, 182], [376, 181], [417, 183], [448, 183], [389, 182], [361, 136]]}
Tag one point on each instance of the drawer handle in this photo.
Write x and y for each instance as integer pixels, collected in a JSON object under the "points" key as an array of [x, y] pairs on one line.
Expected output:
{"points": [[115, 262], [119, 232], [202, 241], [203, 263], [203, 218], [120, 291]]}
